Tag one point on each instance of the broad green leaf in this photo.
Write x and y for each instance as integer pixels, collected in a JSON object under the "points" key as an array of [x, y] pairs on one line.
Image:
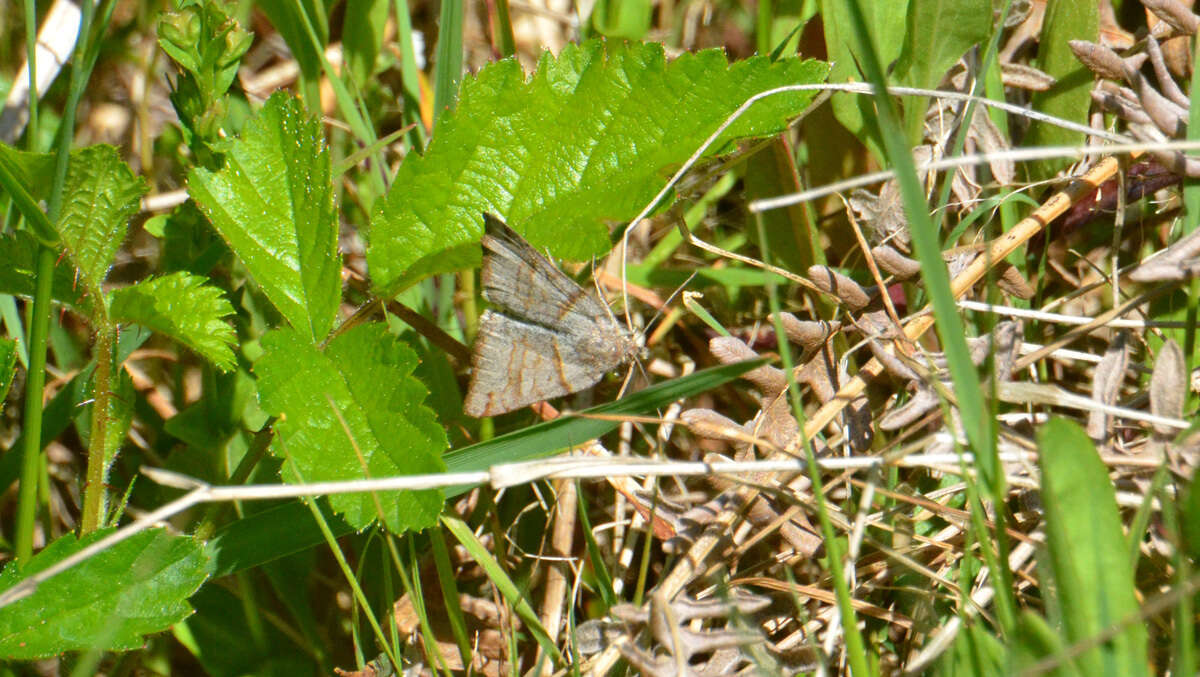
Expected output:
{"points": [[8, 365], [354, 403], [273, 204], [1069, 98], [886, 21], [938, 33], [27, 178], [1088, 553], [100, 196], [587, 139], [181, 306], [285, 529], [18, 252], [110, 601], [34, 171]]}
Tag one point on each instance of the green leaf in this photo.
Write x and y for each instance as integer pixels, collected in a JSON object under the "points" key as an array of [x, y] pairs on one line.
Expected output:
{"points": [[886, 22], [585, 140], [110, 601], [354, 403], [277, 531], [1088, 553], [18, 251], [362, 35], [791, 240], [100, 196], [938, 33], [288, 528], [1190, 519], [273, 204], [27, 178], [181, 306], [1033, 641], [1070, 97], [8, 365], [33, 171]]}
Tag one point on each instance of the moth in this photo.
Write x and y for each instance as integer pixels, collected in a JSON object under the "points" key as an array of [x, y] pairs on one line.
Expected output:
{"points": [[544, 336]]}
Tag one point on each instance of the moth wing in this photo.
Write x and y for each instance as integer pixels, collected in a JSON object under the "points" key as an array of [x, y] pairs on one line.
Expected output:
{"points": [[519, 280], [516, 364]]}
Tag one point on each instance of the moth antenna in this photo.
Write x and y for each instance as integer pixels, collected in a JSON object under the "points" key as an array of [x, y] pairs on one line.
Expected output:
{"points": [[660, 312]]}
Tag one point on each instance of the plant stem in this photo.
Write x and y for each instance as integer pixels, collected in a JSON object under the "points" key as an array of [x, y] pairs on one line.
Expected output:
{"points": [[39, 329], [94, 491]]}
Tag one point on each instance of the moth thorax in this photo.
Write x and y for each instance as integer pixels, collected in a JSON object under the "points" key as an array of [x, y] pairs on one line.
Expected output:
{"points": [[604, 349]]}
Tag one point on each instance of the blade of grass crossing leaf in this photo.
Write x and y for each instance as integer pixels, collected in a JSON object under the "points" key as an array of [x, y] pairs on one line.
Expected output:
{"points": [[447, 70], [348, 574], [480, 554], [1088, 551], [445, 574], [856, 654]]}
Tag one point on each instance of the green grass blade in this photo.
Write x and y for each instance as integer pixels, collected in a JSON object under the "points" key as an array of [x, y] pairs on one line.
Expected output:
{"points": [[1088, 552], [479, 552], [447, 69]]}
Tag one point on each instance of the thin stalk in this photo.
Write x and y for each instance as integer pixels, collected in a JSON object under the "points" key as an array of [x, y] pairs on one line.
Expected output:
{"points": [[506, 43], [39, 330], [447, 71], [856, 654], [31, 35]]}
